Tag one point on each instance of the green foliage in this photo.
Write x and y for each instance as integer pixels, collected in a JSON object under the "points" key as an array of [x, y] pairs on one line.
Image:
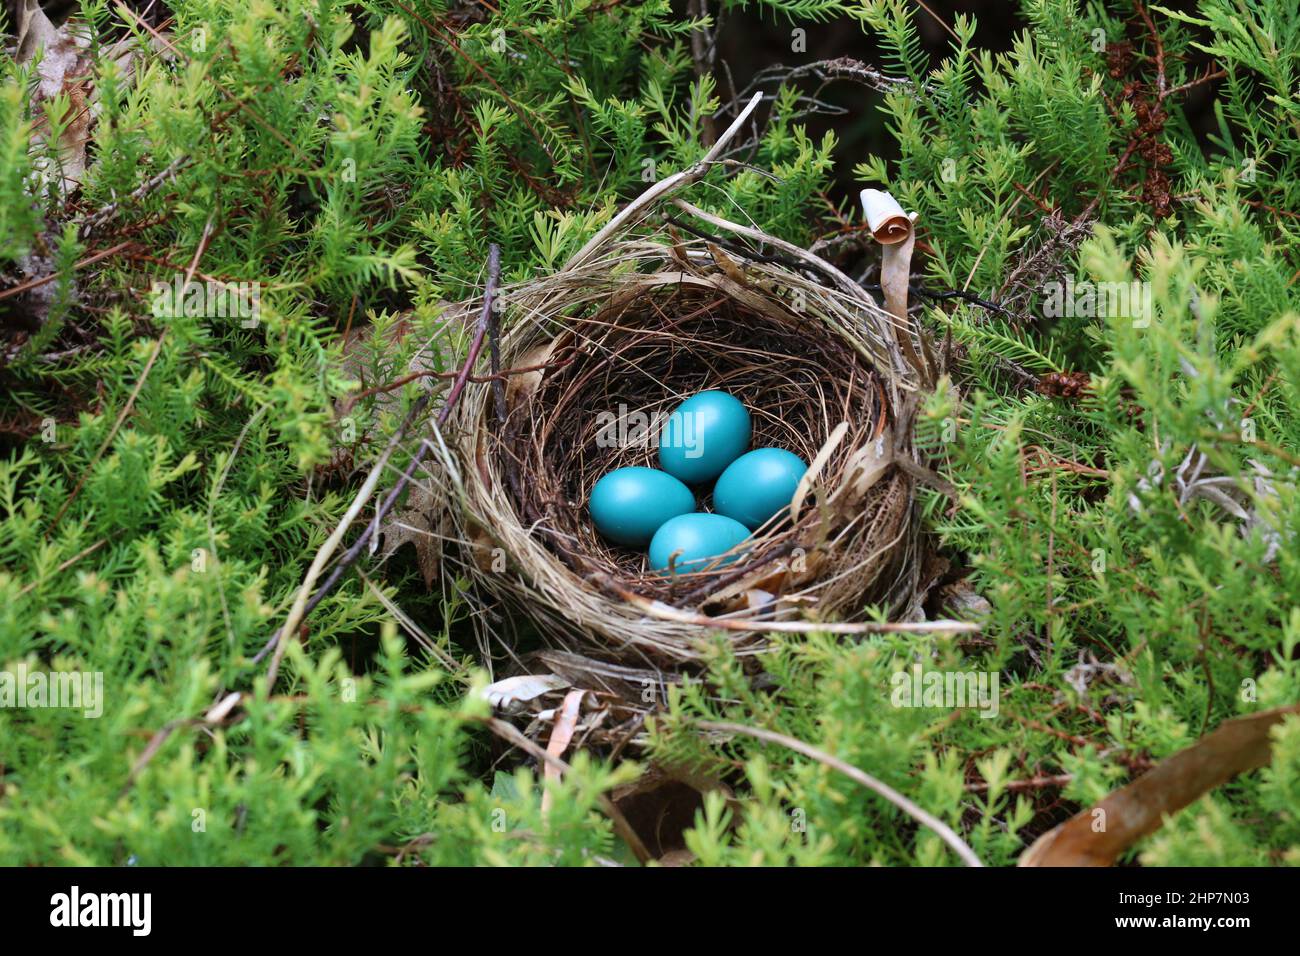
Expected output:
{"points": [[18, 214], [167, 475]]}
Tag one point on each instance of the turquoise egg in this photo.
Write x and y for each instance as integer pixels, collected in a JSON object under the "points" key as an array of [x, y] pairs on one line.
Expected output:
{"points": [[702, 436], [758, 485], [699, 538], [629, 504]]}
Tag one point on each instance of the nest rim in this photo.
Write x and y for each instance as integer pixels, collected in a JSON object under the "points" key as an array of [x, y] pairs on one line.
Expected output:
{"points": [[596, 598]]}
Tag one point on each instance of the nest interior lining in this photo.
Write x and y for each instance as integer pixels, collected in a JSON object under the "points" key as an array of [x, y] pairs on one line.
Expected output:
{"points": [[633, 364]]}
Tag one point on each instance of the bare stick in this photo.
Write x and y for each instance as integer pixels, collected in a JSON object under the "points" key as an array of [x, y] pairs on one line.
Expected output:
{"points": [[667, 612], [811, 261], [664, 187], [303, 606], [144, 375], [624, 829], [53, 276], [944, 832], [840, 68], [106, 214], [494, 348]]}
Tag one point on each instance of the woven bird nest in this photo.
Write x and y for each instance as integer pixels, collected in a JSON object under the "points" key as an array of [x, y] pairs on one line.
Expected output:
{"points": [[597, 355]]}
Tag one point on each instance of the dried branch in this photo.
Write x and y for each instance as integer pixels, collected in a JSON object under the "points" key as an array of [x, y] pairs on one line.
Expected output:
{"points": [[302, 605], [926, 819]]}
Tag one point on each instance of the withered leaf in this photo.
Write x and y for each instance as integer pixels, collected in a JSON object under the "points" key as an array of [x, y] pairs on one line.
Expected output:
{"points": [[1132, 812], [414, 525]]}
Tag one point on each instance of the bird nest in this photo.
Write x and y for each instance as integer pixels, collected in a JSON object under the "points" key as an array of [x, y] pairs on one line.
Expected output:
{"points": [[597, 354]]}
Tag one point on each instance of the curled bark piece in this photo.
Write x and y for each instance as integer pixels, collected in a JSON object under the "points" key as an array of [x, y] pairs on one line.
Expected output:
{"points": [[885, 217], [1097, 836], [892, 228]]}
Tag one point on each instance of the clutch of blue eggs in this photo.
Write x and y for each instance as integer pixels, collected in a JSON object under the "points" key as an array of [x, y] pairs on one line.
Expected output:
{"points": [[705, 439]]}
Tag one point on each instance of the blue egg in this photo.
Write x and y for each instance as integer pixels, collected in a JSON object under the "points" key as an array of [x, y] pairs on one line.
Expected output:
{"points": [[758, 485], [629, 504], [702, 436], [692, 541]]}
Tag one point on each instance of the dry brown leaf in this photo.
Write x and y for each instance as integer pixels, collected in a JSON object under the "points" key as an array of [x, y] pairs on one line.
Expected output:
{"points": [[520, 388], [483, 548], [64, 67], [64, 59], [728, 265], [677, 858], [67, 66], [414, 525], [1096, 837], [964, 601], [35, 31]]}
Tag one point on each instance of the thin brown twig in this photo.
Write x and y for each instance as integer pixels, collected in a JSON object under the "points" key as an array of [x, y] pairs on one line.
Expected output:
{"points": [[514, 107], [83, 553], [937, 19], [1034, 783], [1209, 76], [1161, 81], [304, 605], [495, 378], [238, 103], [105, 215], [80, 264]]}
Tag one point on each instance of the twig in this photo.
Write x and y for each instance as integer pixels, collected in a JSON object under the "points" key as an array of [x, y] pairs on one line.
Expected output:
{"points": [[841, 68], [663, 188], [37, 283], [1161, 82], [214, 716], [239, 104], [937, 19], [515, 108], [494, 344], [212, 505], [1210, 435], [1208, 77], [945, 294], [624, 829], [846, 284], [152, 748], [730, 245], [941, 829], [304, 606], [1035, 783], [107, 213], [669, 613], [702, 53], [397, 383], [83, 553]]}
